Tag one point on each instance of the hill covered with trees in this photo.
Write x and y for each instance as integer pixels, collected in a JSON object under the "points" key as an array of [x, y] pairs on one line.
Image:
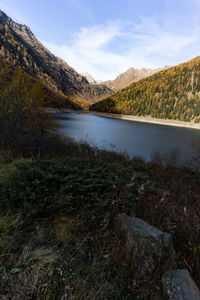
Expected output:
{"points": [[24, 121], [170, 94], [11, 75]]}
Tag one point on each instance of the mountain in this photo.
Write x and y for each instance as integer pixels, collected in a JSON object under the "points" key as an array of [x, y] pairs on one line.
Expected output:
{"points": [[19, 46], [90, 79], [173, 93], [13, 77], [128, 77]]}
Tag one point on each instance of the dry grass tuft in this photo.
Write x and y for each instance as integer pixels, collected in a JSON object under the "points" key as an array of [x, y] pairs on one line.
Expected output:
{"points": [[65, 228]]}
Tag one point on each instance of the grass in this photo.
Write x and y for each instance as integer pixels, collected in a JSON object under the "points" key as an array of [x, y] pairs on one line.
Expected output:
{"points": [[66, 207], [8, 167], [59, 237]]}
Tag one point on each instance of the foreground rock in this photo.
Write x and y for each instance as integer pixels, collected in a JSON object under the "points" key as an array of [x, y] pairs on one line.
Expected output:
{"points": [[179, 285], [146, 246]]}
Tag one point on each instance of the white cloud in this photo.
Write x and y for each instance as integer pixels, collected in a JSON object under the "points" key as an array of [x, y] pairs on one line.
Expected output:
{"points": [[107, 50], [152, 39], [87, 51], [97, 49]]}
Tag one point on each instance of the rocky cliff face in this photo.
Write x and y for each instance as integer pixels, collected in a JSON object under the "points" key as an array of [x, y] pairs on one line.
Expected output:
{"points": [[90, 79], [19, 46], [128, 77]]}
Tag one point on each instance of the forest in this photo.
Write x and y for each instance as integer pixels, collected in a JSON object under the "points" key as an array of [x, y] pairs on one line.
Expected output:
{"points": [[12, 76], [170, 94]]}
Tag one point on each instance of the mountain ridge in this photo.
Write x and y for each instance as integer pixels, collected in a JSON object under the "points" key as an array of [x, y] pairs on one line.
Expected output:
{"points": [[173, 93], [131, 75], [20, 46], [90, 78]]}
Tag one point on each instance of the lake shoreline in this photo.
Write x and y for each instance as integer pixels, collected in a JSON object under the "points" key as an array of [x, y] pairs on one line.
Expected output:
{"points": [[146, 119]]}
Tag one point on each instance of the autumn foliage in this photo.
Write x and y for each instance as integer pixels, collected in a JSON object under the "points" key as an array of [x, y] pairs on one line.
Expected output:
{"points": [[170, 94]]}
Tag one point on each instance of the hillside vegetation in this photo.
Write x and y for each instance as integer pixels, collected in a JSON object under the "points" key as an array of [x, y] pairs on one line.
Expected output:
{"points": [[59, 201], [11, 75], [170, 94], [58, 231], [24, 122]]}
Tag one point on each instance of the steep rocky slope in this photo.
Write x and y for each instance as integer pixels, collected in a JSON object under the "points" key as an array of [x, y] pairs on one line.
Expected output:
{"points": [[19, 46], [90, 79]]}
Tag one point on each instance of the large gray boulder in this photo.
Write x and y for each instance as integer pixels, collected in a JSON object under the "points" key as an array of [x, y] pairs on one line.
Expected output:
{"points": [[179, 285], [146, 246]]}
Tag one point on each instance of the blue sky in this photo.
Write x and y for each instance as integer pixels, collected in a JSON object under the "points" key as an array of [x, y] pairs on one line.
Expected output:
{"points": [[106, 37]]}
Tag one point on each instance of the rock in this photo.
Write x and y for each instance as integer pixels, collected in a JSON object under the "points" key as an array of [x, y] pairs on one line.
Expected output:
{"points": [[131, 75], [179, 285], [89, 78], [146, 245]]}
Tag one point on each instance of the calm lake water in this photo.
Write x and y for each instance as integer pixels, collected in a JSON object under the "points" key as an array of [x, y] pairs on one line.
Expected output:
{"points": [[134, 138]]}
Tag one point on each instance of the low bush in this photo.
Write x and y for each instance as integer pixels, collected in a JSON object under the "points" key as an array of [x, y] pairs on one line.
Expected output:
{"points": [[66, 207]]}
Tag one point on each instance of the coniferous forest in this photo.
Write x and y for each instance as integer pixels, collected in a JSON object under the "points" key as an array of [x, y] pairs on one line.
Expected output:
{"points": [[170, 94]]}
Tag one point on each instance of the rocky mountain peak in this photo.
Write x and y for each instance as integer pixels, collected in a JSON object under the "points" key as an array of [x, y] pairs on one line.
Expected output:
{"points": [[4, 17], [129, 76], [24, 29], [89, 78], [130, 70]]}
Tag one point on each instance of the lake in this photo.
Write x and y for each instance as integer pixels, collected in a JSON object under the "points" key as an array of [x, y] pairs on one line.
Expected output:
{"points": [[134, 138]]}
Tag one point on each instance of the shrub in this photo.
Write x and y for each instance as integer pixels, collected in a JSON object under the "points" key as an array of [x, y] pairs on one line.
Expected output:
{"points": [[22, 118]]}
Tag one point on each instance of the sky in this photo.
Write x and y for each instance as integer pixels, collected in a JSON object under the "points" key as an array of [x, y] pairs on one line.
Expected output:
{"points": [[106, 37]]}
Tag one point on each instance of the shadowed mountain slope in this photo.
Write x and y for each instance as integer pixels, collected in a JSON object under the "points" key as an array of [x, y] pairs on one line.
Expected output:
{"points": [[19, 46], [13, 76]]}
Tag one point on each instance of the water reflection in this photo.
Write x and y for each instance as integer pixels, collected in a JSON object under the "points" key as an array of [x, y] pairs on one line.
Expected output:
{"points": [[135, 138]]}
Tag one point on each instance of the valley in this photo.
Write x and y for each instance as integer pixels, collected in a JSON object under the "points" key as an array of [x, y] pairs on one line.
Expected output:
{"points": [[79, 155], [20, 47]]}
